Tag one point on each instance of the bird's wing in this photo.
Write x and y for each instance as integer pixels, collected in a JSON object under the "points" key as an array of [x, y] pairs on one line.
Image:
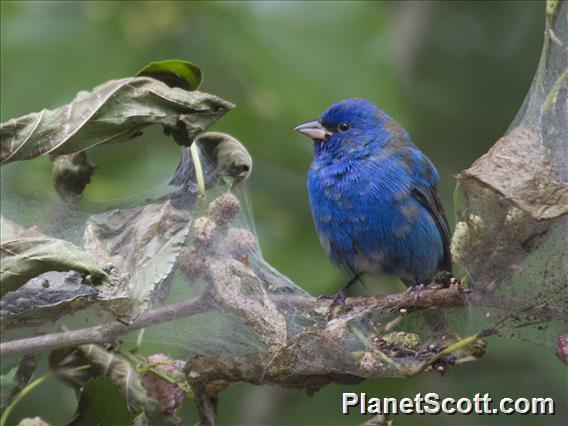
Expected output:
{"points": [[427, 195]]}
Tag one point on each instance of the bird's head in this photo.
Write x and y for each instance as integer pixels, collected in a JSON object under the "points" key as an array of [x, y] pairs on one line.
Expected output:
{"points": [[352, 125]]}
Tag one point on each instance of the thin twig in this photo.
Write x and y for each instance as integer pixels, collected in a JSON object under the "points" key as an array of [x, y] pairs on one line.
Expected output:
{"points": [[451, 297], [102, 333]]}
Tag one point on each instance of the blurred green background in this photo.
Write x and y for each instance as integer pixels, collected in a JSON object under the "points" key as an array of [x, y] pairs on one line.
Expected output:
{"points": [[453, 73]]}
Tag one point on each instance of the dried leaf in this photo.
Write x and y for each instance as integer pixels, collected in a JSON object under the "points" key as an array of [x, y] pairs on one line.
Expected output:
{"points": [[229, 156], [512, 206], [521, 168], [27, 254], [113, 111], [71, 174], [50, 296], [144, 241]]}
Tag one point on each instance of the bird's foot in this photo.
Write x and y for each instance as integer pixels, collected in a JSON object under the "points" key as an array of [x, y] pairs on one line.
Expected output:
{"points": [[337, 298], [324, 297], [337, 301], [444, 279], [416, 290]]}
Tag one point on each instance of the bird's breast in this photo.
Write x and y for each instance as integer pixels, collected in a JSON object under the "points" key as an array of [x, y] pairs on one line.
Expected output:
{"points": [[346, 204]]}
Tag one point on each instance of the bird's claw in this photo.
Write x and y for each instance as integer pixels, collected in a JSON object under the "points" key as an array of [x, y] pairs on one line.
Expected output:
{"points": [[416, 290], [339, 298], [443, 278], [324, 297], [336, 299]]}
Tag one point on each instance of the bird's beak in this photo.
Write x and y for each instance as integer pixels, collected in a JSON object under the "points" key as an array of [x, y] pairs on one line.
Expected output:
{"points": [[314, 130]]}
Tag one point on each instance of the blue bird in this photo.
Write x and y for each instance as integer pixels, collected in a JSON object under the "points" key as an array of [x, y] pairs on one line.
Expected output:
{"points": [[373, 197]]}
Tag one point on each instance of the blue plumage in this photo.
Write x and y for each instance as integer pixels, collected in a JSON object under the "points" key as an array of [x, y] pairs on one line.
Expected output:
{"points": [[373, 195]]}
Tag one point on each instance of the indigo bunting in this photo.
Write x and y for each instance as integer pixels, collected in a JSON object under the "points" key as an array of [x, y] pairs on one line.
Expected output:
{"points": [[373, 197]]}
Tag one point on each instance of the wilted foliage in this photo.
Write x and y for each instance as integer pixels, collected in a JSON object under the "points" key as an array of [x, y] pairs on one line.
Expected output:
{"points": [[512, 205]]}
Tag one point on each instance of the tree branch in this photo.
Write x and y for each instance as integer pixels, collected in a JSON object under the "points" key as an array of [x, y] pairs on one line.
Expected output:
{"points": [[451, 297], [443, 298]]}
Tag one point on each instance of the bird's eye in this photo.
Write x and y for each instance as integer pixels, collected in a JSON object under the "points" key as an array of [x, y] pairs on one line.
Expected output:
{"points": [[344, 127]]}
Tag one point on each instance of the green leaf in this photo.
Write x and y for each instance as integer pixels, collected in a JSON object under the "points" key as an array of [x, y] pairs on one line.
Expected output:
{"points": [[114, 111], [7, 383], [26, 254], [551, 7], [102, 403], [113, 367], [16, 379], [174, 72]]}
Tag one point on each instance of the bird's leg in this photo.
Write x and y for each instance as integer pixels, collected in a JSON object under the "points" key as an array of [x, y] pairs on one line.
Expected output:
{"points": [[417, 289], [414, 286], [339, 297]]}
